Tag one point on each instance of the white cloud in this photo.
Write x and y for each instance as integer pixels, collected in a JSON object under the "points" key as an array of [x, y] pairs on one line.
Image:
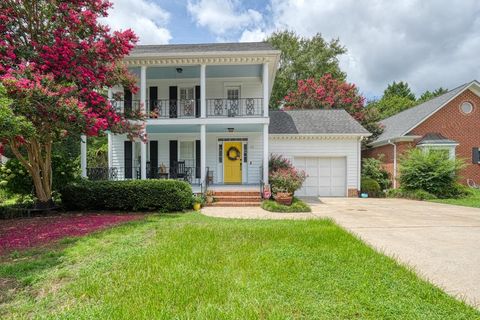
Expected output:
{"points": [[253, 35], [147, 19], [426, 43], [222, 16]]}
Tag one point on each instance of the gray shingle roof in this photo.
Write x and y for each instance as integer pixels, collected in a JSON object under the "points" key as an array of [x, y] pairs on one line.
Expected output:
{"points": [[148, 50], [398, 125], [314, 122]]}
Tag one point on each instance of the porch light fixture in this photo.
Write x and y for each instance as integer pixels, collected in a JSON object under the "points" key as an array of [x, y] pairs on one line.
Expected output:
{"points": [[230, 130], [179, 70]]}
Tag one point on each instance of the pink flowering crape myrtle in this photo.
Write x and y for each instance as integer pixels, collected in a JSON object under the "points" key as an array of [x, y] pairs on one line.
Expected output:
{"points": [[56, 62]]}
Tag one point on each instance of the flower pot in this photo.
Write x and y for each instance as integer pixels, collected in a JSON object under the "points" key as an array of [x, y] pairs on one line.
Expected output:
{"points": [[197, 206], [284, 198]]}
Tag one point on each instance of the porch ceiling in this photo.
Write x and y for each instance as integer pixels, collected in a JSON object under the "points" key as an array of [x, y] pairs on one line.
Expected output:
{"points": [[212, 128], [188, 72]]}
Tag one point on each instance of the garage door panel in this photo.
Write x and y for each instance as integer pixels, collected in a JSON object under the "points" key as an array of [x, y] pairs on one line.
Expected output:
{"points": [[326, 176]]}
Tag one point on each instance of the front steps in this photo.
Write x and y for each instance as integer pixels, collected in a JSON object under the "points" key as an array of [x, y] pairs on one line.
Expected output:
{"points": [[236, 199]]}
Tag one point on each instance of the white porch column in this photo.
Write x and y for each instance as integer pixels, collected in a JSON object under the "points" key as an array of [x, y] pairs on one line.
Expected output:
{"points": [[143, 159], [203, 90], [265, 153], [203, 152], [83, 155], [265, 89], [109, 136], [143, 89]]}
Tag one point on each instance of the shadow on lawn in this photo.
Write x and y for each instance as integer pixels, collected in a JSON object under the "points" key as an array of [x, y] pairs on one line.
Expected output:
{"points": [[19, 269]]}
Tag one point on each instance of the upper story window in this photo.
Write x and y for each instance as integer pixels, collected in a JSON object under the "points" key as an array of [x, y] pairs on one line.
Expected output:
{"points": [[466, 107], [187, 93], [233, 93]]}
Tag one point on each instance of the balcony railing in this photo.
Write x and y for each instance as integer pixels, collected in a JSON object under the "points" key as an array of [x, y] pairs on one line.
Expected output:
{"points": [[243, 107], [190, 174], [216, 107]]}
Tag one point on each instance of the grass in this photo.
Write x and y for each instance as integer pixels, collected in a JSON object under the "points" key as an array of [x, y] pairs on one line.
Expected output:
{"points": [[296, 206], [472, 200], [194, 267]]}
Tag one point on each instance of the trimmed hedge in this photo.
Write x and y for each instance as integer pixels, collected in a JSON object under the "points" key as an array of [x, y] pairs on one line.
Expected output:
{"points": [[410, 194], [130, 195]]}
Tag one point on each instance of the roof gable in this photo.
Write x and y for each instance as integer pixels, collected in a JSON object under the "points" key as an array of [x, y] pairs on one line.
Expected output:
{"points": [[402, 123]]}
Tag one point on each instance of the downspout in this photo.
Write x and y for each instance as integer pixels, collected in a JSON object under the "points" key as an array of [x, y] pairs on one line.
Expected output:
{"points": [[359, 151], [394, 163]]}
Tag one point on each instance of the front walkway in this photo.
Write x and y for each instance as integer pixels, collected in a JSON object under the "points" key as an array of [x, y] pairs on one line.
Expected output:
{"points": [[441, 242]]}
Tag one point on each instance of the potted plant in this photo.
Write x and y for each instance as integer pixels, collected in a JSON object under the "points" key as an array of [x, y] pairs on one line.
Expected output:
{"points": [[198, 201], [209, 198], [284, 182]]}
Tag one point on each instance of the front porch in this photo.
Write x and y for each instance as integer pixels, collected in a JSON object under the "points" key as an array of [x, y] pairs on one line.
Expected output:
{"points": [[225, 156]]}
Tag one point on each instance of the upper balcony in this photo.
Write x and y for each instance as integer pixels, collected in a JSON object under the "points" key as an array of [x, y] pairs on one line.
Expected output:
{"points": [[191, 108], [200, 81]]}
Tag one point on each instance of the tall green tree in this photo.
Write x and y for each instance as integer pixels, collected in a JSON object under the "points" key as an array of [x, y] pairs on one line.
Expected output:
{"points": [[399, 89], [427, 95], [389, 105], [303, 58]]}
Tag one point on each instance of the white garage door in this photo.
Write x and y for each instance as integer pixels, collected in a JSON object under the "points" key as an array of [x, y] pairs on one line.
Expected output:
{"points": [[326, 176]]}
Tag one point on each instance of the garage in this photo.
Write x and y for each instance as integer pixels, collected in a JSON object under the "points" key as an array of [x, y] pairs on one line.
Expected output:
{"points": [[326, 144], [326, 176]]}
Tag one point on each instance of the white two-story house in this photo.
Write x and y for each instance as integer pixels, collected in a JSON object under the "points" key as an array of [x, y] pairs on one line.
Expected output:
{"points": [[208, 121]]}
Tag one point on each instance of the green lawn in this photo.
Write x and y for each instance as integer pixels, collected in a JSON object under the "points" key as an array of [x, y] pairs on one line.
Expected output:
{"points": [[195, 267], [471, 201]]}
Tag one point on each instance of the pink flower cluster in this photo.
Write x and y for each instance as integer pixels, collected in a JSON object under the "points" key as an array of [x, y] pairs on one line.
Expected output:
{"points": [[32, 232], [326, 93], [61, 73]]}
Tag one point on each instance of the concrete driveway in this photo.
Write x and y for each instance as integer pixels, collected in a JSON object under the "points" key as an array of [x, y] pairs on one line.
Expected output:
{"points": [[441, 242]]}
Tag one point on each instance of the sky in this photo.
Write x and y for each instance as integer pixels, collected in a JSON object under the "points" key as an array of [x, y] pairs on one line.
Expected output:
{"points": [[427, 43]]}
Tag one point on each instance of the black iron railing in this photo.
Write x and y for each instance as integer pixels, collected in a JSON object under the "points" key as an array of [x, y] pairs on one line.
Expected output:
{"points": [[244, 107], [188, 174], [191, 108]]}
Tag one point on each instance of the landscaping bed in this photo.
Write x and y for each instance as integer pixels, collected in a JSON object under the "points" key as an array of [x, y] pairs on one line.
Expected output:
{"points": [[194, 267], [296, 206], [27, 233]]}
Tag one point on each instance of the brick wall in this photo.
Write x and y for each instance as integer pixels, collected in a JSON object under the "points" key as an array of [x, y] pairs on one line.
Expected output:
{"points": [[451, 123]]}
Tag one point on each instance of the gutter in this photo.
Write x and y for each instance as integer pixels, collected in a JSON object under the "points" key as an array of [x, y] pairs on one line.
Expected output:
{"points": [[394, 163]]}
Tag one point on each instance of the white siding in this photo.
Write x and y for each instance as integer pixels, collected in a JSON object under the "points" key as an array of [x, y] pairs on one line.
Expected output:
{"points": [[322, 147], [254, 155]]}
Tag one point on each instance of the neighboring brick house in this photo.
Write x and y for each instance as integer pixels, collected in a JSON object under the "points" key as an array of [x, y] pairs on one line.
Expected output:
{"points": [[450, 122]]}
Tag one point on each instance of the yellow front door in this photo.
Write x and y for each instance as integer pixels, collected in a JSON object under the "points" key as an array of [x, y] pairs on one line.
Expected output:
{"points": [[232, 162]]}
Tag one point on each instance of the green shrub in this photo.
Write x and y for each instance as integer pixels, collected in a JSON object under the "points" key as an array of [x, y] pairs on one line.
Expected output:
{"points": [[371, 187], [433, 172], [372, 168], [130, 195], [15, 179], [410, 194], [286, 180], [296, 206]]}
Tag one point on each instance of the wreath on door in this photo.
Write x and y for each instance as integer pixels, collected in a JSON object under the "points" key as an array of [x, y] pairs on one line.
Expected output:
{"points": [[233, 153]]}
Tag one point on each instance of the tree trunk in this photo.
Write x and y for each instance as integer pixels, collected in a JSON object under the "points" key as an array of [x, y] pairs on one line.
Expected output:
{"points": [[39, 165]]}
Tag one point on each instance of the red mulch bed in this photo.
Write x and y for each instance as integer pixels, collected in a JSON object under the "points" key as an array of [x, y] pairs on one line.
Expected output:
{"points": [[32, 232]]}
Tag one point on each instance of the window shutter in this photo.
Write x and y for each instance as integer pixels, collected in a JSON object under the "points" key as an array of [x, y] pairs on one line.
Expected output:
{"points": [[475, 156], [197, 102], [128, 159], [197, 159], [173, 96], [173, 152], [153, 92], [153, 159], [127, 101]]}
